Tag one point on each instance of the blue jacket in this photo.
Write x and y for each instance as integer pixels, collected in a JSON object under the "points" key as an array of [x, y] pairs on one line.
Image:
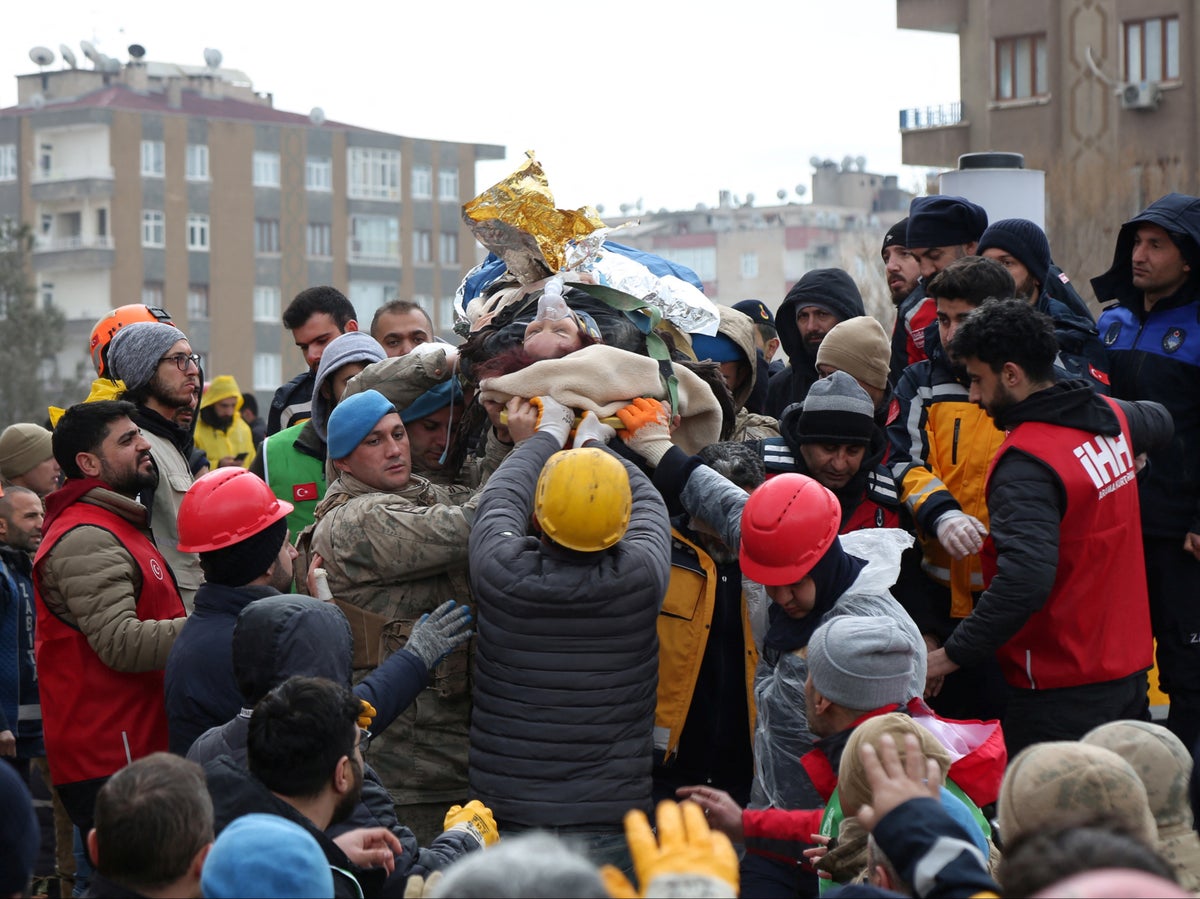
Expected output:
{"points": [[20, 707], [1156, 356]]}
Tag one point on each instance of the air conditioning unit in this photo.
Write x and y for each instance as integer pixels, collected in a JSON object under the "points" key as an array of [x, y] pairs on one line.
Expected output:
{"points": [[1140, 95]]}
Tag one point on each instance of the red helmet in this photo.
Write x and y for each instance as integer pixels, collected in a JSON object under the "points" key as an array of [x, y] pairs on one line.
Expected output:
{"points": [[110, 324], [787, 524], [224, 507]]}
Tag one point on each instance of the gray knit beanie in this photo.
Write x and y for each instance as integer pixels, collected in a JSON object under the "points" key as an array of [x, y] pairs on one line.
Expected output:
{"points": [[836, 410], [862, 662], [135, 350], [353, 346]]}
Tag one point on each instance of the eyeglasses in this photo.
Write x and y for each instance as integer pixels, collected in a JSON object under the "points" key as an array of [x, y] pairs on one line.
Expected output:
{"points": [[364, 740], [182, 360]]}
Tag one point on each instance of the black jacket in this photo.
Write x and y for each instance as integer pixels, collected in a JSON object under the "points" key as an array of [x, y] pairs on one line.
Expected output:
{"points": [[292, 402], [1026, 502]]}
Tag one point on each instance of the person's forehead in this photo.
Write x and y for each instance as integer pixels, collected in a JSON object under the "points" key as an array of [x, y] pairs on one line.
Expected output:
{"points": [[119, 428], [1149, 229], [811, 309], [179, 346], [26, 503]]}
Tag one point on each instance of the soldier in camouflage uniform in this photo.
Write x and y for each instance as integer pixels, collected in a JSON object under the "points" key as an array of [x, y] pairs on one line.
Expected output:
{"points": [[394, 547]]}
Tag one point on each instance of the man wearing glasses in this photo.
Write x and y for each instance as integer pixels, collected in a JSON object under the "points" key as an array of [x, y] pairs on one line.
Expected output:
{"points": [[163, 380]]}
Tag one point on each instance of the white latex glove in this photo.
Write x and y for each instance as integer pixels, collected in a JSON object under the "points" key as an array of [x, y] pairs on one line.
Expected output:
{"points": [[554, 417], [592, 428], [960, 534]]}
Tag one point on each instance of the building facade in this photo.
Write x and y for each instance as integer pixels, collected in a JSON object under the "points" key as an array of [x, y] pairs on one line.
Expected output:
{"points": [[182, 187]]}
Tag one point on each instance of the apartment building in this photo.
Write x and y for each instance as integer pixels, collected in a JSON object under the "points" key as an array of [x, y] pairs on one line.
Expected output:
{"points": [[182, 187]]}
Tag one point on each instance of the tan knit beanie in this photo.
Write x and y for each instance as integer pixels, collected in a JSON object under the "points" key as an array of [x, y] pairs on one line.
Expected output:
{"points": [[23, 446], [853, 787], [860, 347]]}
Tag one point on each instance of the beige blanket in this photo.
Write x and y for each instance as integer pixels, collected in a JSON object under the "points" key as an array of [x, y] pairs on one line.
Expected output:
{"points": [[603, 378]]}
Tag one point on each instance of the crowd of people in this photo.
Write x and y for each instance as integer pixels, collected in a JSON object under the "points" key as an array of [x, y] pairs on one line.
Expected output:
{"points": [[462, 619]]}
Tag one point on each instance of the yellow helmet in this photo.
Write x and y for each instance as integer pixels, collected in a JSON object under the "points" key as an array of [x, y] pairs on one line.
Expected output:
{"points": [[582, 500]]}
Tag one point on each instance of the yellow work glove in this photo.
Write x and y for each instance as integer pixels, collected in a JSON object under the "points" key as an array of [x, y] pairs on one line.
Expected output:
{"points": [[474, 818], [686, 859], [366, 714]]}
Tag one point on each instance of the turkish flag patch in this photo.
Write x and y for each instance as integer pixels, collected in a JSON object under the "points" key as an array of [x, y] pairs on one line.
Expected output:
{"points": [[303, 492]]}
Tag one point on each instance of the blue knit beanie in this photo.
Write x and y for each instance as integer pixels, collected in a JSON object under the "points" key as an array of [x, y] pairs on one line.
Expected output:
{"points": [[352, 420], [268, 856]]}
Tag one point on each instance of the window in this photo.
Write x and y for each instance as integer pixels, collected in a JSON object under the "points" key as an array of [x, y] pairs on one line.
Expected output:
{"points": [[197, 231], [367, 296], [8, 162], [375, 238], [153, 158], [197, 302], [102, 222], [319, 240], [374, 174], [318, 173], [422, 246], [701, 260], [1021, 68], [47, 291], [1152, 49], [448, 184], [266, 235], [749, 265], [197, 162], [266, 304], [422, 182], [445, 313], [266, 169], [152, 293], [448, 249], [153, 228], [268, 370]]}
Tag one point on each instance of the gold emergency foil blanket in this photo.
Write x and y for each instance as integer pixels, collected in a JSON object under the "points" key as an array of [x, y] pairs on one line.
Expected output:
{"points": [[517, 220]]}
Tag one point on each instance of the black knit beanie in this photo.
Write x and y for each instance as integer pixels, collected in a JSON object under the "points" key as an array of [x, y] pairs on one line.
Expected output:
{"points": [[241, 563], [896, 235], [1022, 239]]}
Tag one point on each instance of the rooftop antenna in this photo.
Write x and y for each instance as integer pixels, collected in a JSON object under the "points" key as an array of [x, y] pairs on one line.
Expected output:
{"points": [[212, 58], [68, 55]]}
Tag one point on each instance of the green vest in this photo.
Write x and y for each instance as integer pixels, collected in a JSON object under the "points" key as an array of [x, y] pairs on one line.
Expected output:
{"points": [[294, 476]]}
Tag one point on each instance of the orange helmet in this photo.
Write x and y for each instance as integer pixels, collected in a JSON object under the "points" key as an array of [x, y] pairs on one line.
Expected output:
{"points": [[224, 507], [787, 524], [110, 324]]}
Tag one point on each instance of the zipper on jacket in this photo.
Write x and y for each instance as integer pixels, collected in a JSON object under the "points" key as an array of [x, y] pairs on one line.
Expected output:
{"points": [[954, 445]]}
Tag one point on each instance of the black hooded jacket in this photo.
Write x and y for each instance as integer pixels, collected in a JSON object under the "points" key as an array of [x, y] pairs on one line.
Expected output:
{"points": [[831, 288], [1026, 503]]}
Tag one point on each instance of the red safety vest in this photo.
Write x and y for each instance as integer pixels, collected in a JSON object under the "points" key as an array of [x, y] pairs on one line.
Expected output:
{"points": [[1095, 625], [95, 719]]}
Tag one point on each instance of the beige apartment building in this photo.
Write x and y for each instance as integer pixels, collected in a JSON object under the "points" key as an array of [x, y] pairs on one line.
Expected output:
{"points": [[182, 187], [1099, 94]]}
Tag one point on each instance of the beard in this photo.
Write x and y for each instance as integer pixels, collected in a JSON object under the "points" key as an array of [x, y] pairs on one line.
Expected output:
{"points": [[349, 800], [210, 417], [179, 398], [130, 482]]}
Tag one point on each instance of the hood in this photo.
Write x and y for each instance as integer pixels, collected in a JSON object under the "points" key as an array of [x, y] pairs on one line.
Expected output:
{"points": [[223, 387], [1174, 212], [739, 328], [102, 389], [353, 346], [281, 636], [828, 287], [1072, 404]]}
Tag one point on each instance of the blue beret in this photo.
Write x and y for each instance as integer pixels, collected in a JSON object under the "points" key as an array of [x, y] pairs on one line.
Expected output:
{"points": [[353, 418], [719, 348], [432, 400]]}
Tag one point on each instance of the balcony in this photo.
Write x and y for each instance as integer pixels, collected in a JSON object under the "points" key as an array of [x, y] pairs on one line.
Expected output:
{"points": [[940, 116], [75, 252], [49, 185], [945, 16]]}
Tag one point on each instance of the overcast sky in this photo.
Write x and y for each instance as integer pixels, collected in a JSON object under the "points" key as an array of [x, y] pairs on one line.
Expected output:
{"points": [[663, 101]]}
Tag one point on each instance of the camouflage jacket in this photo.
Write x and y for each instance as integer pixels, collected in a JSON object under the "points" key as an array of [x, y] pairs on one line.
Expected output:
{"points": [[390, 558]]}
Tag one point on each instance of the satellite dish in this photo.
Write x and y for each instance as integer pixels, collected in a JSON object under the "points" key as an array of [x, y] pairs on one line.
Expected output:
{"points": [[68, 55], [317, 116], [814, 161], [801, 190], [37, 101], [108, 64], [43, 56], [781, 194], [90, 51], [137, 51], [847, 161], [861, 163], [750, 199], [212, 58], [600, 208]]}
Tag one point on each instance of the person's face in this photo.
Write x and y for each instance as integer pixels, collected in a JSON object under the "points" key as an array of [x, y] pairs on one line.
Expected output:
{"points": [[23, 529], [833, 464], [951, 314], [225, 410], [123, 459], [1159, 269], [1027, 287], [987, 389], [814, 323], [314, 335], [902, 270], [816, 721], [399, 332], [174, 389], [336, 383], [284, 569], [42, 479], [381, 460], [427, 438], [797, 599], [932, 260], [349, 799], [735, 374], [552, 339]]}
